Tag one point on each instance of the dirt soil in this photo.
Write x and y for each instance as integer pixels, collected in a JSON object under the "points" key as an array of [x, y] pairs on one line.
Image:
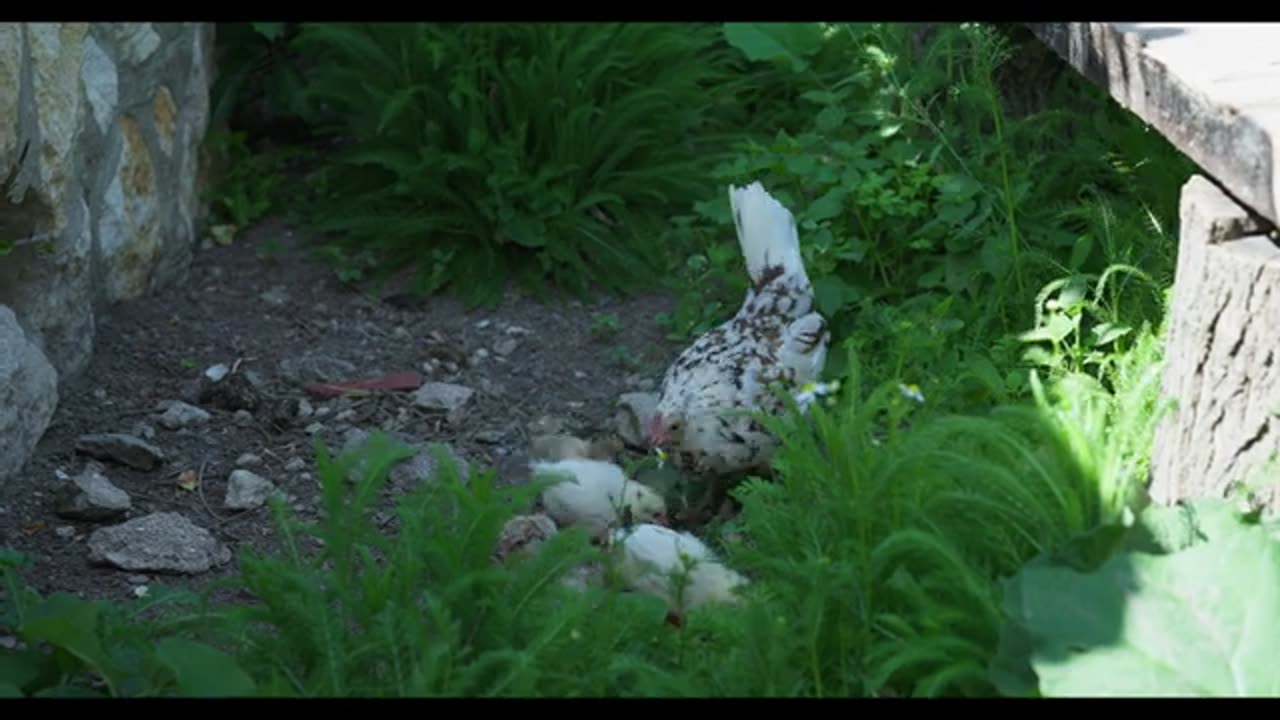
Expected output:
{"points": [[288, 322]]}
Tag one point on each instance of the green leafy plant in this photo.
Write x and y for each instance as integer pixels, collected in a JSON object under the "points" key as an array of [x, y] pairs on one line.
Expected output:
{"points": [[1183, 601], [84, 648]]}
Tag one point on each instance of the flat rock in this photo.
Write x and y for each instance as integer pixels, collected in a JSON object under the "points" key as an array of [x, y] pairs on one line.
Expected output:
{"points": [[179, 415], [91, 496], [119, 447], [523, 534], [164, 542], [28, 394], [411, 471], [446, 397], [422, 467], [632, 416], [247, 491]]}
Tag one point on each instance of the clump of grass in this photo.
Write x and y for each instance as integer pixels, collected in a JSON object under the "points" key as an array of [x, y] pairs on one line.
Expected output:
{"points": [[477, 153]]}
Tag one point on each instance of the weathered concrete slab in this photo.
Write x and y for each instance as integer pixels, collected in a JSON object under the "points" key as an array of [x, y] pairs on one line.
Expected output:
{"points": [[1213, 89]]}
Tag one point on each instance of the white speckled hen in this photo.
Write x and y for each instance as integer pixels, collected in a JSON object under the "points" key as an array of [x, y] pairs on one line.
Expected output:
{"points": [[775, 337]]}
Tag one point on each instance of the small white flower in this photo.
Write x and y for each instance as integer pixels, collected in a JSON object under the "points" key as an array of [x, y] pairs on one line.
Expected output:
{"points": [[811, 391], [661, 455], [141, 591], [911, 392]]}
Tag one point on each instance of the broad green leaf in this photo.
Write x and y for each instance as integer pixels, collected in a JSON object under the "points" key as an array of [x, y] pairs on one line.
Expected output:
{"points": [[1200, 622], [203, 671], [68, 691], [1056, 328], [9, 690], [66, 621], [776, 41], [829, 293], [18, 669], [828, 206], [1106, 333]]}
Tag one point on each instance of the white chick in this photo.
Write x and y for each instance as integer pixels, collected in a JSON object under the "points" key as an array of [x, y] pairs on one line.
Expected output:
{"points": [[594, 495], [651, 562]]}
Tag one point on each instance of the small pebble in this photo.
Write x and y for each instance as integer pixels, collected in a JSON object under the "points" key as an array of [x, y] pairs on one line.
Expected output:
{"points": [[345, 415], [305, 408], [65, 531], [138, 579], [248, 460], [295, 465], [243, 417], [314, 428]]}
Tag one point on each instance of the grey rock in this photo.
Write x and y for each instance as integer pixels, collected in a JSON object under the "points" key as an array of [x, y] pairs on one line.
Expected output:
{"points": [[66, 532], [277, 296], [144, 431], [446, 397], [28, 394], [523, 534], [640, 383], [247, 491], [215, 373], [549, 425], [295, 465], [121, 448], [506, 346], [423, 467], [489, 436], [632, 417], [91, 496], [248, 460], [179, 415], [163, 542]]}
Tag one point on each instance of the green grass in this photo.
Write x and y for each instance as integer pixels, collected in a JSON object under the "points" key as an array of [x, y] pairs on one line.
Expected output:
{"points": [[1013, 266]]}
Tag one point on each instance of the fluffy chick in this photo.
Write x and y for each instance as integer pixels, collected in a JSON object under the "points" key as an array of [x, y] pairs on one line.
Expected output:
{"points": [[595, 494], [653, 559]]}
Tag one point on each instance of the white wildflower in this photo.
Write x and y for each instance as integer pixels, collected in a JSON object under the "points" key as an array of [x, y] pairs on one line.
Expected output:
{"points": [[811, 391], [911, 392]]}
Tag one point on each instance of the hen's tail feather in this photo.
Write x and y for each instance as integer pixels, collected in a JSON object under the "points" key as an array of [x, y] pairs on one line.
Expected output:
{"points": [[767, 236]]}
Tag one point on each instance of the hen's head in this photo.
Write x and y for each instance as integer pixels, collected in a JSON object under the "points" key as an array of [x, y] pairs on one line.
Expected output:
{"points": [[665, 430]]}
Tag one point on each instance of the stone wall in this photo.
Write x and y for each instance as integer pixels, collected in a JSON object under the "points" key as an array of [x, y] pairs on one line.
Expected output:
{"points": [[100, 133]]}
